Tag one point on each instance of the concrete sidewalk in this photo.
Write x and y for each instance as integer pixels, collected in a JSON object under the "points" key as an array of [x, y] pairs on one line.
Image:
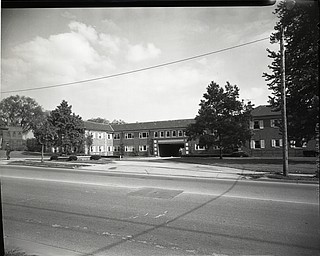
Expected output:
{"points": [[158, 167]]}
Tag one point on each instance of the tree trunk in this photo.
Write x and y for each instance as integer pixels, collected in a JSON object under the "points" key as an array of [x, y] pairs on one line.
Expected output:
{"points": [[42, 152], [220, 152]]}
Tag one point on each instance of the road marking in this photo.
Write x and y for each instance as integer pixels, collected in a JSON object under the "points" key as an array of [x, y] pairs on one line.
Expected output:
{"points": [[184, 192], [260, 199]]}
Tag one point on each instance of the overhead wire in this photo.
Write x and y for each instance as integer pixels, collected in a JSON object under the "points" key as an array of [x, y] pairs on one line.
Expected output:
{"points": [[137, 70]]}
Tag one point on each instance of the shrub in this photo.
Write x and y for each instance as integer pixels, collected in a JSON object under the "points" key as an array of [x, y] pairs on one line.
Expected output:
{"points": [[95, 157], [72, 158], [54, 157], [33, 145]]}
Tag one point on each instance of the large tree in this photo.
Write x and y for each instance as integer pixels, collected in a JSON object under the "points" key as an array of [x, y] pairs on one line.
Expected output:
{"points": [[69, 128], [20, 111], [299, 23], [222, 120]]}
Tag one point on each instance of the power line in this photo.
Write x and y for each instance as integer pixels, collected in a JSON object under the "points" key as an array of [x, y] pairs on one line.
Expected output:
{"points": [[138, 70]]}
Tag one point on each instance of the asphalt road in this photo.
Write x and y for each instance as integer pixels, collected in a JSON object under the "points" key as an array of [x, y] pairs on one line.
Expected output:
{"points": [[85, 214]]}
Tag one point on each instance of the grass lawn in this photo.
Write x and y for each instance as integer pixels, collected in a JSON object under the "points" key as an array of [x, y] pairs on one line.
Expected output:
{"points": [[305, 165]]}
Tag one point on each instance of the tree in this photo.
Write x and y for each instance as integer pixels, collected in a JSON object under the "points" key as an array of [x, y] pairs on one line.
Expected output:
{"points": [[89, 142], [222, 119], [301, 68], [118, 121], [99, 120], [20, 111], [69, 128], [45, 134]]}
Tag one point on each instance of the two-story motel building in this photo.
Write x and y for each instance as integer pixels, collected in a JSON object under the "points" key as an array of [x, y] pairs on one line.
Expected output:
{"points": [[168, 138]]}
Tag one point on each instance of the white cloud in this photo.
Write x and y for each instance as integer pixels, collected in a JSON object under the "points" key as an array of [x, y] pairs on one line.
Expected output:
{"points": [[139, 52], [87, 31], [110, 25]]}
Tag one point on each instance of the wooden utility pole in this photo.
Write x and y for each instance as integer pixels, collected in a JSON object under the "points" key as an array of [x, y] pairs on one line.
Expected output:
{"points": [[285, 157], [2, 251]]}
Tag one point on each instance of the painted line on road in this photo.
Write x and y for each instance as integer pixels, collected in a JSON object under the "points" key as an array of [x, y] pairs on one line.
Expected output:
{"points": [[185, 192], [261, 199]]}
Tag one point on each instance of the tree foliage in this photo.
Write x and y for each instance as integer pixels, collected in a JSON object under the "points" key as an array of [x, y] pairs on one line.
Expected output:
{"points": [[69, 128], [301, 67], [89, 142], [222, 120], [20, 111], [118, 121], [99, 120]]}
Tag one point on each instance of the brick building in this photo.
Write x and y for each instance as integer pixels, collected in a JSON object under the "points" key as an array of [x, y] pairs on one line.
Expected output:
{"points": [[267, 139], [168, 138], [12, 135]]}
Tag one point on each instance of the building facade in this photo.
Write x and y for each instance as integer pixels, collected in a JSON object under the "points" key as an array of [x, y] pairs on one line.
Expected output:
{"points": [[266, 140], [12, 135], [168, 138]]}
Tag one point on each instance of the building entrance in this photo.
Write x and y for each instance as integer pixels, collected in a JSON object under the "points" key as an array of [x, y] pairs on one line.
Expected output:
{"points": [[167, 150]]}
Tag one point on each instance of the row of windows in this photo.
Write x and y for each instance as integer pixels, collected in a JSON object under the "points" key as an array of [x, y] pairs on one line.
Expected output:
{"points": [[274, 143], [13, 133], [141, 148], [156, 134], [100, 135], [259, 124]]}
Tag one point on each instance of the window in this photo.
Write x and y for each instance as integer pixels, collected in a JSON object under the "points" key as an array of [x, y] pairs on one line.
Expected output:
{"points": [[129, 148], [109, 136], [161, 134], [180, 133], [116, 136], [256, 124], [156, 134], [295, 144], [167, 133], [100, 135], [116, 149], [100, 148], [143, 148], [275, 123], [129, 135], [256, 144], [198, 147], [143, 135], [174, 134], [276, 143]]}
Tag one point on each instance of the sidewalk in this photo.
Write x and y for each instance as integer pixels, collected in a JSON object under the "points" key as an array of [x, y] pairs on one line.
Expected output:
{"points": [[186, 170], [158, 168]]}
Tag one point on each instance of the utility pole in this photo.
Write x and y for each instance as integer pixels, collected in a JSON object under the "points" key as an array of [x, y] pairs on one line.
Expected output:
{"points": [[2, 251], [285, 157]]}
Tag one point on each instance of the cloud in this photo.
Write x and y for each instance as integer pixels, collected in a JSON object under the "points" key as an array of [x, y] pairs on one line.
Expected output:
{"points": [[139, 52], [82, 53], [110, 25], [87, 31]]}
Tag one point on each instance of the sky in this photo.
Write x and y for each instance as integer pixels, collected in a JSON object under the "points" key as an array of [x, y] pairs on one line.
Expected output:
{"points": [[46, 47]]}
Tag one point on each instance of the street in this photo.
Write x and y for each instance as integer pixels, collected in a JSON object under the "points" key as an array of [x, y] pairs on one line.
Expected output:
{"points": [[81, 213]]}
